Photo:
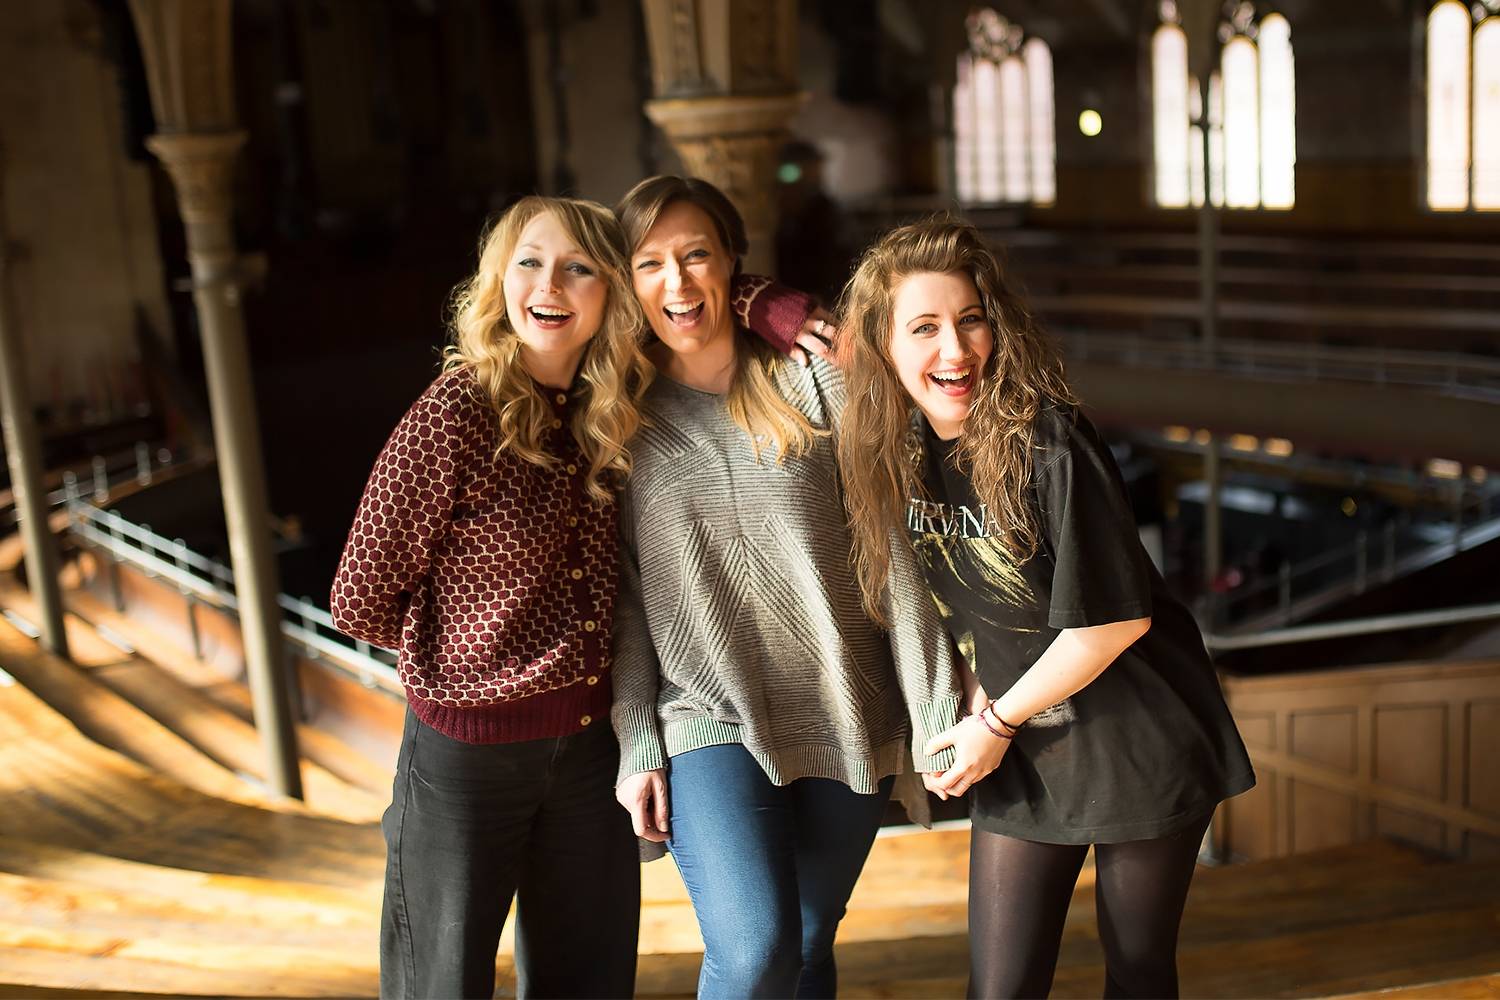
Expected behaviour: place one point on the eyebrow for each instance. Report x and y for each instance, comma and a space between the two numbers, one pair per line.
962, 312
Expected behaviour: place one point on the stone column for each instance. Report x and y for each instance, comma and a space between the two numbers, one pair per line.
23, 451
725, 77
186, 48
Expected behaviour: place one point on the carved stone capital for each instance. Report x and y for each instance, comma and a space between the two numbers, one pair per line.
734, 143
201, 165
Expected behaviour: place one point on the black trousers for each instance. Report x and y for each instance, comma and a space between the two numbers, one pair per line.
469, 828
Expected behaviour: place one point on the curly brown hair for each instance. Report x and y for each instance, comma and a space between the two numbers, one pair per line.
879, 450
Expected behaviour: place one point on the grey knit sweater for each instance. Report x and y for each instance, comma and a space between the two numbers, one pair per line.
738, 618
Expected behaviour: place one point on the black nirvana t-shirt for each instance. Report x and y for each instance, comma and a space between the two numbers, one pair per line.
1146, 748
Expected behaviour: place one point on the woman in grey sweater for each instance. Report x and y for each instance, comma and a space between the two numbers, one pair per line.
762, 715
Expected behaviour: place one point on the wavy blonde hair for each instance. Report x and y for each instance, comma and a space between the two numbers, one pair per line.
754, 402
879, 450
613, 371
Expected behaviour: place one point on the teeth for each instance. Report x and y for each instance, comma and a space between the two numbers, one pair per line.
549, 312
680, 308
957, 376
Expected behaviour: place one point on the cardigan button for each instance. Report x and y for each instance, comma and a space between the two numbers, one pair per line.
556, 424
572, 469
572, 521
593, 681
562, 399
590, 626
577, 574
586, 719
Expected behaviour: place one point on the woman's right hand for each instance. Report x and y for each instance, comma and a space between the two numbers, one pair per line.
644, 796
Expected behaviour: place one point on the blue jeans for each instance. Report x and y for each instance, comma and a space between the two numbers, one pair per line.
769, 869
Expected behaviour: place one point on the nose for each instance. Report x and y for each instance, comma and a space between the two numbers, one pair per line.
951, 346
673, 274
550, 277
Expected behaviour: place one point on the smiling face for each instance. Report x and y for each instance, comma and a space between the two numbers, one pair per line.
682, 272
940, 341
555, 297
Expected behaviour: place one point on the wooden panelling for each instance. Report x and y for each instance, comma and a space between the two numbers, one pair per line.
1484, 757
1404, 750
1411, 744
1258, 730
1321, 817
1325, 737
1248, 823
1410, 827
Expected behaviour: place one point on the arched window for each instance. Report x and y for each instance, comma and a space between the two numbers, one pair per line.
1463, 107
1250, 117
1004, 148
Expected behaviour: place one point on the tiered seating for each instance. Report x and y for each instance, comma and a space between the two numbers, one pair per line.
150, 869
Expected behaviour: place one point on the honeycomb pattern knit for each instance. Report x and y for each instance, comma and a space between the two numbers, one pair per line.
493, 578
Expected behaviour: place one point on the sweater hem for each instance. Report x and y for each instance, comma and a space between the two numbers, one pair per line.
787, 764
549, 715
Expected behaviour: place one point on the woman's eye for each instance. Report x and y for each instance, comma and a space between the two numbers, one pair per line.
582, 269
925, 330
697, 254
528, 262
971, 319
642, 265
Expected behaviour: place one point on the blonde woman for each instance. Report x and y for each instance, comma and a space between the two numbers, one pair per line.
484, 550
762, 715
1107, 727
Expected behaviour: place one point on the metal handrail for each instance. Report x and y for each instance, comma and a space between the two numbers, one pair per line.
1353, 627
1469, 375
210, 581
1381, 557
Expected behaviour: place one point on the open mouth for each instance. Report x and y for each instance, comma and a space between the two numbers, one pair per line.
954, 382
684, 314
549, 317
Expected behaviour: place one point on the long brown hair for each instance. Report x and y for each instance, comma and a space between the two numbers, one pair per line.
754, 402
613, 371
879, 452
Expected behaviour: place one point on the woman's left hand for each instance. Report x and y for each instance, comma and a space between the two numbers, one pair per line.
818, 336
977, 752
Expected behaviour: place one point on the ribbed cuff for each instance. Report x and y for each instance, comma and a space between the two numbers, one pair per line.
639, 734
777, 314
927, 721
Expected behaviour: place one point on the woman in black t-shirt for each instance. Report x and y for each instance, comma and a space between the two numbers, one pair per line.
1108, 726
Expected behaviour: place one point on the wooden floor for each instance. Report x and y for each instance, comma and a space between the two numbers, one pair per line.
135, 868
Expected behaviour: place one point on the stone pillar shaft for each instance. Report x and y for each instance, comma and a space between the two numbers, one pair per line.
201, 166
23, 450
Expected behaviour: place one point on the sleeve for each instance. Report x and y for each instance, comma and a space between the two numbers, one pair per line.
923, 655
636, 672
1100, 573
405, 510
770, 310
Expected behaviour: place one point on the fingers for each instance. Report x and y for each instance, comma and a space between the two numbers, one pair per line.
661, 812
941, 741
933, 783
798, 355
815, 343
644, 796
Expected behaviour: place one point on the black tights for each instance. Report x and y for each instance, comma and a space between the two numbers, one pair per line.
1018, 899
